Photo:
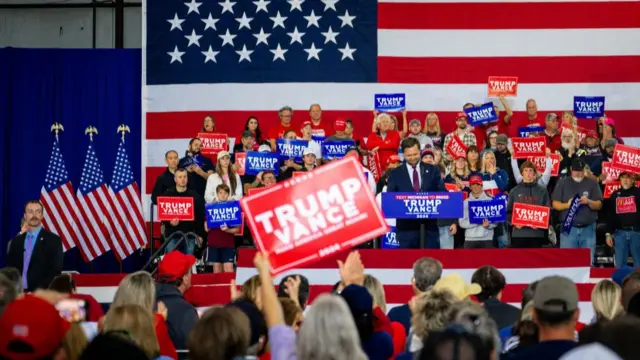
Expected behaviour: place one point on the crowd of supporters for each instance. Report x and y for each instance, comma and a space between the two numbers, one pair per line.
488, 169
447, 318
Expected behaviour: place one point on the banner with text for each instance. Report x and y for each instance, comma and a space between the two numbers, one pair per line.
336, 149
613, 186
223, 213
483, 114
526, 131
534, 216
175, 208
494, 210
389, 241
570, 217
257, 162
588, 107
627, 158
456, 147
298, 222
213, 143
291, 149
240, 160
532, 146
626, 205
430, 205
373, 164
541, 163
389, 102
612, 174
502, 85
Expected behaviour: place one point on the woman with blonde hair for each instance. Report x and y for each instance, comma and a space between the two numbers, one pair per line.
459, 173
135, 323
250, 290
374, 287
605, 299
139, 288
429, 311
432, 129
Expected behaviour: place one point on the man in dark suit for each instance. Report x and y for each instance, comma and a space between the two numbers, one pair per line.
414, 176
37, 252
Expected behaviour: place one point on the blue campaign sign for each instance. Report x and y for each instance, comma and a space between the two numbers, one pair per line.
430, 205
291, 149
389, 102
223, 213
336, 149
588, 107
388, 240
494, 210
256, 162
525, 131
482, 114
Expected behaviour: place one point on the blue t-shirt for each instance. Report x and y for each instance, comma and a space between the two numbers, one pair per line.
546, 350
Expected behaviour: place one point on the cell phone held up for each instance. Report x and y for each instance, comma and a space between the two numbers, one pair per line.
72, 310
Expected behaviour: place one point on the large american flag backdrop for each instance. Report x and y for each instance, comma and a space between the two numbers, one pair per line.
233, 59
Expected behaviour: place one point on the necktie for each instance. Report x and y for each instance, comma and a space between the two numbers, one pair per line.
416, 179
28, 244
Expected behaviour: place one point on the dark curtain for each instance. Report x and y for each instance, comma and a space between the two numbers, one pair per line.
76, 88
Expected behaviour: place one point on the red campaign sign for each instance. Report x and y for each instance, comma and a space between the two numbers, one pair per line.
456, 148
534, 216
213, 143
175, 208
582, 132
541, 163
502, 85
626, 205
531, 146
297, 174
373, 163
454, 188
612, 173
627, 158
240, 159
298, 222
613, 186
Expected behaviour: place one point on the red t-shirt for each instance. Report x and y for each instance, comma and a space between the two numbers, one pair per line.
164, 341
279, 130
322, 129
554, 143
220, 239
521, 120
386, 147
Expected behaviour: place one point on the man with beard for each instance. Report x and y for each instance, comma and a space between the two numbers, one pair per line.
625, 221
503, 159
591, 148
568, 152
463, 133
37, 252
198, 167
582, 232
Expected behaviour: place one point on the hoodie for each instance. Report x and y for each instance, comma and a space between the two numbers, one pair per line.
528, 193
181, 316
196, 226
476, 232
624, 220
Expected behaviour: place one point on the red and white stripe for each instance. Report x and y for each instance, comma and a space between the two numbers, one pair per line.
129, 211
440, 53
61, 214
96, 218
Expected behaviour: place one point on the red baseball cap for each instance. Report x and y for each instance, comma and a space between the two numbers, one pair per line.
393, 158
305, 123
339, 124
174, 265
35, 322
461, 115
475, 180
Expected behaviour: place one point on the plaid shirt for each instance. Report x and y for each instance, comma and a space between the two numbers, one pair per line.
468, 138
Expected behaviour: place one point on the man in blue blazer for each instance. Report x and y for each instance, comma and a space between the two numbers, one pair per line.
415, 176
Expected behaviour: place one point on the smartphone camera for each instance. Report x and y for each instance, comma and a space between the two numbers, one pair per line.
72, 310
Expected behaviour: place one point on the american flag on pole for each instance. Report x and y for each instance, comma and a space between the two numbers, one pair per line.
61, 210
234, 59
127, 205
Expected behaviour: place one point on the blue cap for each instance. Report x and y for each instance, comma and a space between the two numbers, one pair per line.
620, 273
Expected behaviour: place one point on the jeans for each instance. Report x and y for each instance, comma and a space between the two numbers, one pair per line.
188, 246
626, 241
581, 238
500, 236
446, 239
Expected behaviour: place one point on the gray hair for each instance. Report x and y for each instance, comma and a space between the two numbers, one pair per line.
283, 109
137, 288
475, 319
14, 276
374, 287
382, 116
7, 293
550, 116
426, 272
329, 332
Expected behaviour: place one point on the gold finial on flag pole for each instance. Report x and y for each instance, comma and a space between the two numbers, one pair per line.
56, 128
90, 131
123, 129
